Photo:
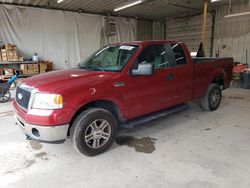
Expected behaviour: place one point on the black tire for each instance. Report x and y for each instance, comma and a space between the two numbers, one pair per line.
82, 130
5, 96
209, 102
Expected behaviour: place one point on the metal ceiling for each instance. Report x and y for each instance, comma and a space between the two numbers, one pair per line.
149, 9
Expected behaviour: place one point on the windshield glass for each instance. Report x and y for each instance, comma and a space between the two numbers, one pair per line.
110, 58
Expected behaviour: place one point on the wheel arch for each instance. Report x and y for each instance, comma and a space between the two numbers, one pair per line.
102, 103
219, 77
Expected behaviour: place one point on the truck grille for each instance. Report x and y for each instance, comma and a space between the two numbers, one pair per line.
22, 97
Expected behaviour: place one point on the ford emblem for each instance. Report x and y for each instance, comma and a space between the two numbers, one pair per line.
20, 96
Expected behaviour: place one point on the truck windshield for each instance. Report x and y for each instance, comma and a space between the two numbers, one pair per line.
110, 58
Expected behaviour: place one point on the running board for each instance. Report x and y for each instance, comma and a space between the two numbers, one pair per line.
144, 119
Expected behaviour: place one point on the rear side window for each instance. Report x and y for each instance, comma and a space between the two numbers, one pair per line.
179, 54
155, 54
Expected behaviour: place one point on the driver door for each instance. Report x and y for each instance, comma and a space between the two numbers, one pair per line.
154, 92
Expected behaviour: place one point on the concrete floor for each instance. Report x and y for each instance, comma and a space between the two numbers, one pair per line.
189, 149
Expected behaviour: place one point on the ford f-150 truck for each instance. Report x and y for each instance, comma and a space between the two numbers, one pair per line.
117, 85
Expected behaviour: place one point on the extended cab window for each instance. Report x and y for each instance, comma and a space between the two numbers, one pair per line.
179, 54
155, 54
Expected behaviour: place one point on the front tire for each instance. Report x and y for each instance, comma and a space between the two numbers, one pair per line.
211, 100
93, 131
5, 96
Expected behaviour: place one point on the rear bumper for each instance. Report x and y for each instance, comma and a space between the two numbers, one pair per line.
43, 133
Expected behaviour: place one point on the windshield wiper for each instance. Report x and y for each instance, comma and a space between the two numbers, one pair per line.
95, 67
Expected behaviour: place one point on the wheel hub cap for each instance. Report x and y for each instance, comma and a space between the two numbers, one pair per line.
215, 98
97, 133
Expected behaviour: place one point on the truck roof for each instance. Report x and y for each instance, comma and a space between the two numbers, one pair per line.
146, 42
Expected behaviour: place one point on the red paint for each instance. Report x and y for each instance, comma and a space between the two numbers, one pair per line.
140, 95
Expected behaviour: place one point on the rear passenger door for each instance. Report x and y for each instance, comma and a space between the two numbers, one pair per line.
184, 72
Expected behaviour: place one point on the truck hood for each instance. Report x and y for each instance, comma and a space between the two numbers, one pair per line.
60, 80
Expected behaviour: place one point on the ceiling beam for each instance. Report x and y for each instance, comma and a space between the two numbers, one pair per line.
186, 7
83, 12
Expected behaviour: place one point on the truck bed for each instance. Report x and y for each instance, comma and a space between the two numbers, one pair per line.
206, 67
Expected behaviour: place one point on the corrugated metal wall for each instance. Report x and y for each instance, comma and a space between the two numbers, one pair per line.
158, 30
144, 30
150, 30
189, 30
232, 35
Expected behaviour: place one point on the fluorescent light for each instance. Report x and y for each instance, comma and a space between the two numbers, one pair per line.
128, 5
237, 14
59, 1
214, 0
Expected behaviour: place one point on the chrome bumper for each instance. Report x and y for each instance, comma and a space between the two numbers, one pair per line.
43, 133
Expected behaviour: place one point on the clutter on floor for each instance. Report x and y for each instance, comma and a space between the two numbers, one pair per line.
241, 76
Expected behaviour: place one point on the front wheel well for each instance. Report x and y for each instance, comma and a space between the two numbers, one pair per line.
105, 104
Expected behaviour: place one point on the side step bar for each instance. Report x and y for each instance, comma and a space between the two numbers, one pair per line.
144, 119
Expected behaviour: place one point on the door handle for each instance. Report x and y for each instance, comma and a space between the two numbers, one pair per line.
170, 76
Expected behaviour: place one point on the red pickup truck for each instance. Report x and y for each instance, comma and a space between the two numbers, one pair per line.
120, 84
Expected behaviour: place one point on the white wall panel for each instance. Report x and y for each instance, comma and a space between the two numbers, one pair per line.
150, 30
158, 30
65, 38
145, 30
83, 34
232, 35
188, 30
126, 30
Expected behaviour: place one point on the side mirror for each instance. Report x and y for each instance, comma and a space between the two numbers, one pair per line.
143, 69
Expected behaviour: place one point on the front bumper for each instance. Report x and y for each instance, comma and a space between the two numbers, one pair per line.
43, 133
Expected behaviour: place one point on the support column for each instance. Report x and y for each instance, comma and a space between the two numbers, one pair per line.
204, 24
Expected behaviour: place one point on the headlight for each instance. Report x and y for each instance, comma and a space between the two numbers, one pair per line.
47, 101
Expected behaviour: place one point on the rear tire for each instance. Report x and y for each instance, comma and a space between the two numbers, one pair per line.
93, 131
211, 100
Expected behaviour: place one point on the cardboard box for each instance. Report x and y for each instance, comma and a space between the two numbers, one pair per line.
4, 59
15, 58
35, 67
20, 59
23, 67
4, 54
30, 66
9, 54
14, 47
36, 72
8, 46
46, 65
43, 66
28, 72
25, 72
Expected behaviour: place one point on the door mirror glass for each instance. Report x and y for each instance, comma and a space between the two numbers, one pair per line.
143, 69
